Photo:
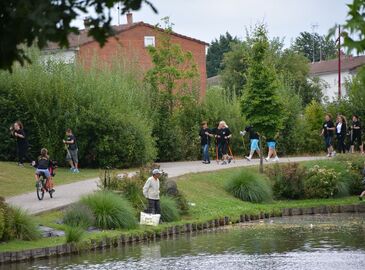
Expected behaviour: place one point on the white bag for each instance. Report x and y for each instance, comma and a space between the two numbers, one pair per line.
150, 219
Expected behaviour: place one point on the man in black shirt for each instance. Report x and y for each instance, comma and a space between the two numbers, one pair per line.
328, 129
205, 135
72, 151
356, 134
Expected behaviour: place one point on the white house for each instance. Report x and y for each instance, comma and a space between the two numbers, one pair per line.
327, 71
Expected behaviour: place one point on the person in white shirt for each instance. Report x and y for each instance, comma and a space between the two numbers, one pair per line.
151, 190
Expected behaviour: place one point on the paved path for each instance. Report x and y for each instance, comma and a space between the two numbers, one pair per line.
70, 193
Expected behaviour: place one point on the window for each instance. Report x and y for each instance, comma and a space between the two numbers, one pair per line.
149, 41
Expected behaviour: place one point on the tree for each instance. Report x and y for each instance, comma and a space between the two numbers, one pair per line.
355, 26
261, 105
25, 22
323, 47
215, 53
172, 77
234, 69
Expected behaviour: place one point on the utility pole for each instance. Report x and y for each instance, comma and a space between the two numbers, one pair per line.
339, 61
314, 26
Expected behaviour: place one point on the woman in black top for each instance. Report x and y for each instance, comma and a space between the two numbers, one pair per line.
223, 136
21, 143
341, 129
356, 134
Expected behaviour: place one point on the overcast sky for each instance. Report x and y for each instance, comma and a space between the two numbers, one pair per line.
207, 19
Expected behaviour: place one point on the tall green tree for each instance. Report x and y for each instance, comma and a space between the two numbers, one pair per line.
172, 77
308, 44
234, 69
24, 22
216, 50
261, 104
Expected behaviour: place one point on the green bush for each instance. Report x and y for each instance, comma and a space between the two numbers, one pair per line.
74, 234
169, 209
20, 225
324, 183
78, 215
249, 186
110, 210
132, 189
288, 180
2, 216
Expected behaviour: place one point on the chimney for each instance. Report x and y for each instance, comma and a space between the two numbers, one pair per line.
129, 18
87, 23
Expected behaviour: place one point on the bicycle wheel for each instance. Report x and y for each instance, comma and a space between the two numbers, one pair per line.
39, 188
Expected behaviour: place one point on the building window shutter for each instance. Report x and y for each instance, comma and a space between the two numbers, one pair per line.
149, 41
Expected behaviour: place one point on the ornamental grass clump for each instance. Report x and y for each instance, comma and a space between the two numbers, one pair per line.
74, 234
169, 209
79, 215
110, 210
19, 225
249, 186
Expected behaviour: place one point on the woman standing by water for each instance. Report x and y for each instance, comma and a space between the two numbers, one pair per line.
21, 142
341, 129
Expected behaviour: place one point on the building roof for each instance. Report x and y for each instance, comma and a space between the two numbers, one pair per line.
331, 66
76, 40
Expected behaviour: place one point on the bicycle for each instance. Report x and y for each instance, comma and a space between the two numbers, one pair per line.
42, 187
42, 184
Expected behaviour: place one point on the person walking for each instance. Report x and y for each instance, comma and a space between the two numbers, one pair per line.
72, 151
254, 141
341, 130
328, 129
223, 136
22, 145
271, 144
205, 135
355, 130
151, 190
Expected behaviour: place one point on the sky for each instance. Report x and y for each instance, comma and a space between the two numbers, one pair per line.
207, 19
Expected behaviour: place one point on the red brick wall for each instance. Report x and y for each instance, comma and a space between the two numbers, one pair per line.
130, 48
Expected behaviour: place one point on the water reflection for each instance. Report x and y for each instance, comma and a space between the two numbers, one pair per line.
307, 242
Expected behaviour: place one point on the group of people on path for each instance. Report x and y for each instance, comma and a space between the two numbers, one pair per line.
222, 135
43, 163
347, 135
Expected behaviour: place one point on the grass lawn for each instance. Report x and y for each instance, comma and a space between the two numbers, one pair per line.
16, 180
206, 190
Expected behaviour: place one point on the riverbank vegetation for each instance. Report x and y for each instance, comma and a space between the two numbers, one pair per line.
206, 198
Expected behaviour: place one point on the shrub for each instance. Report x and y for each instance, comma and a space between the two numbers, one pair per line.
2, 217
324, 183
74, 234
249, 186
110, 210
288, 180
20, 225
169, 209
79, 215
132, 189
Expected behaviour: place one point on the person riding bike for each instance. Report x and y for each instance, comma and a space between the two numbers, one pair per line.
43, 164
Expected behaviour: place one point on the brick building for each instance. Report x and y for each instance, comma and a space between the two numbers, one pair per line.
130, 44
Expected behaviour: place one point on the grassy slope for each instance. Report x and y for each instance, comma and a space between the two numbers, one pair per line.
205, 190
16, 180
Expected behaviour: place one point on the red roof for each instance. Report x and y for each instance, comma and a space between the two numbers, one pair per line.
331, 66
83, 38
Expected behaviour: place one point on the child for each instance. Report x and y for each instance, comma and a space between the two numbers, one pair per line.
205, 135
72, 151
42, 164
271, 144
254, 140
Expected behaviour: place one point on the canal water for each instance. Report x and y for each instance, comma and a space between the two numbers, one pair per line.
325, 242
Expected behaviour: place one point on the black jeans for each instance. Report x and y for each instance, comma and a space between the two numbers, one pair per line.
154, 206
22, 151
341, 147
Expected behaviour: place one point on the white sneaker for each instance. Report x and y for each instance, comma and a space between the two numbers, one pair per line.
276, 159
267, 159
328, 155
248, 158
333, 153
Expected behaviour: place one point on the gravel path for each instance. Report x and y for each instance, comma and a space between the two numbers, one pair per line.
70, 193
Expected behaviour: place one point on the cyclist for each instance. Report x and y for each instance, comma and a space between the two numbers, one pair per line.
42, 165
